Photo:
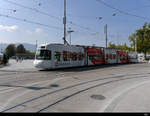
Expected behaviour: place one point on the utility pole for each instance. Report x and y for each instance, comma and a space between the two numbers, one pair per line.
36, 45
64, 22
70, 31
117, 37
105, 31
135, 44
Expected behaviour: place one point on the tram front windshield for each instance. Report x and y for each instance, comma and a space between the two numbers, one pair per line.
43, 55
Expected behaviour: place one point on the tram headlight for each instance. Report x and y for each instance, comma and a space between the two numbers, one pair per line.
38, 63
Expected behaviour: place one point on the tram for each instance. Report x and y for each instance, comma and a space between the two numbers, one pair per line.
53, 56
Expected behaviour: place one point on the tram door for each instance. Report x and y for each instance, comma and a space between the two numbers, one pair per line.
57, 58
85, 57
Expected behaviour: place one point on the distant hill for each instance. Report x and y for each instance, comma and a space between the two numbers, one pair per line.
27, 46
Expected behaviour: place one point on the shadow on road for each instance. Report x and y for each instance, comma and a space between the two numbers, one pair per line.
31, 87
84, 68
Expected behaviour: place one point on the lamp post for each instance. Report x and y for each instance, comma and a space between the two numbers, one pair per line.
70, 31
135, 44
64, 22
105, 31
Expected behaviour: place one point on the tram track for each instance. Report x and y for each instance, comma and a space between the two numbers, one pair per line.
11, 87
81, 91
15, 71
77, 92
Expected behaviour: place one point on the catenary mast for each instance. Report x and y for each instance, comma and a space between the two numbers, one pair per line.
64, 22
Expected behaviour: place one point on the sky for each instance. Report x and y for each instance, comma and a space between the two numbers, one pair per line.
83, 17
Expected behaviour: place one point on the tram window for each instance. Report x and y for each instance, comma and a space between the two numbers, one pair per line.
43, 55
66, 56
95, 57
91, 57
123, 57
80, 56
57, 56
114, 56
42, 46
110, 56
106, 56
70, 55
98, 57
74, 57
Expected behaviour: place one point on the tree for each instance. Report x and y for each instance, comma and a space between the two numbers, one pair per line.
111, 45
132, 39
10, 50
20, 49
142, 38
27, 52
123, 47
5, 59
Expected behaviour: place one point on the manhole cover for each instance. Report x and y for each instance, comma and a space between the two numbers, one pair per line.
54, 85
98, 97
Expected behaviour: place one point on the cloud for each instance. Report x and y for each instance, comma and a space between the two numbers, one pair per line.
38, 30
29, 32
8, 28
35, 31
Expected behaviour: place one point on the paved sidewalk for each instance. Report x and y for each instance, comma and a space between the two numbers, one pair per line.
25, 65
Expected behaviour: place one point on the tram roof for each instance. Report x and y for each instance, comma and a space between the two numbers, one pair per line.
57, 44
62, 45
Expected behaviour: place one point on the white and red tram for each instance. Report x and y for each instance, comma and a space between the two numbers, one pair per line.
52, 56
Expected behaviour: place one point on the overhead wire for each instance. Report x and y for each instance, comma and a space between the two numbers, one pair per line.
31, 22
37, 23
135, 9
33, 9
85, 28
47, 14
121, 11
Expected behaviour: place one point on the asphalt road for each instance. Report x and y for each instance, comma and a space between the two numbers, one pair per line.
118, 88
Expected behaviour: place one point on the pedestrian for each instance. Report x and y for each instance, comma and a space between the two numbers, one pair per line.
16, 59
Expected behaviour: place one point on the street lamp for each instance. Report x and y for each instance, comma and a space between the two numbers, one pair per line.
114, 14
99, 18
70, 31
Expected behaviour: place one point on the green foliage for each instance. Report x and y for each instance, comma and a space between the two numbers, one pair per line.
111, 45
34, 53
142, 38
132, 39
123, 47
5, 59
10, 50
27, 52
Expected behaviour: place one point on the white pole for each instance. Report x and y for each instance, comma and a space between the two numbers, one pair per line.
64, 21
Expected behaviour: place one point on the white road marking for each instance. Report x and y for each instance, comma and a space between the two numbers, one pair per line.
109, 105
